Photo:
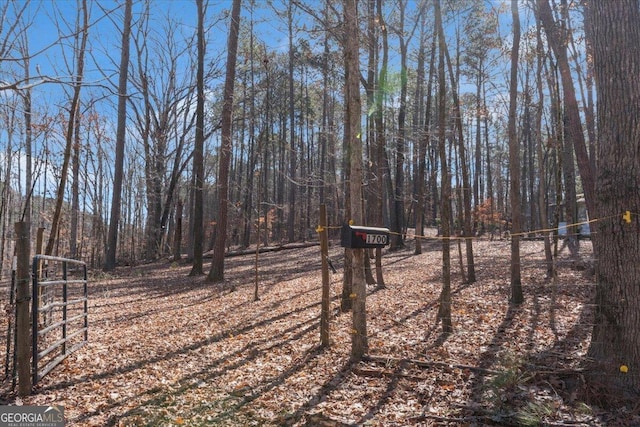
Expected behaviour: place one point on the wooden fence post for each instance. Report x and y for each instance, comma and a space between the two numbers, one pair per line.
23, 298
324, 251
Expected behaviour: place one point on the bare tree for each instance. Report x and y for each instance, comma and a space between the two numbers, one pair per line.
397, 205
216, 274
293, 152
82, 31
444, 309
557, 41
424, 136
198, 150
466, 182
116, 199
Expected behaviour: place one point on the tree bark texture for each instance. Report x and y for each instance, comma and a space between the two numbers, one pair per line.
216, 274
514, 163
444, 310
466, 181
198, 153
326, 284
359, 342
23, 298
615, 344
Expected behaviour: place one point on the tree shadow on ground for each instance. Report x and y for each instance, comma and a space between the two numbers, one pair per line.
297, 323
246, 354
505, 397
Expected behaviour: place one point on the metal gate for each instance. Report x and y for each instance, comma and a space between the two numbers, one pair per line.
59, 311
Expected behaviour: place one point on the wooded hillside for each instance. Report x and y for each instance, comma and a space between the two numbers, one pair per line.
137, 132
166, 349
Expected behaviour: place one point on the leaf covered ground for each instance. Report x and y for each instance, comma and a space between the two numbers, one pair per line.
168, 349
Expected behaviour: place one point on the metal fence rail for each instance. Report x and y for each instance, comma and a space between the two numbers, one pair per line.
59, 311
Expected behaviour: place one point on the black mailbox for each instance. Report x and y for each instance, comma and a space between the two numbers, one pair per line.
354, 236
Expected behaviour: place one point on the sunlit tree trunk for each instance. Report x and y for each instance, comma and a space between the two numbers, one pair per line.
373, 191
542, 162
216, 274
514, 163
376, 204
346, 300
444, 308
121, 131
252, 173
198, 151
423, 146
75, 189
359, 342
466, 182
324, 129
293, 151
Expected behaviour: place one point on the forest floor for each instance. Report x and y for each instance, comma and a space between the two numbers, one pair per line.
168, 349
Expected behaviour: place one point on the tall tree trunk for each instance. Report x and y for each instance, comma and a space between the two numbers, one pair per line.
423, 140
570, 195
384, 169
379, 165
444, 309
530, 141
477, 176
374, 189
466, 183
488, 165
251, 170
427, 148
359, 342
198, 151
574, 132
116, 199
324, 130
71, 125
614, 29
514, 163
542, 162
346, 300
75, 189
293, 151
397, 207
216, 274
28, 139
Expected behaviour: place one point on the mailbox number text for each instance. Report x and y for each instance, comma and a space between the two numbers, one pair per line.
376, 239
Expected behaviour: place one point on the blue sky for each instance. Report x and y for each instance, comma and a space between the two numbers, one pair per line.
54, 21
50, 35
104, 37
